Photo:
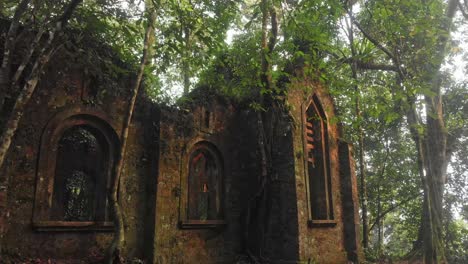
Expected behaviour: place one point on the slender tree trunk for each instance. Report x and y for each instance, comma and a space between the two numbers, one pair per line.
31, 82
18, 109
261, 197
9, 49
380, 215
186, 62
114, 254
264, 48
363, 189
5, 70
14, 117
27, 58
261, 134
380, 225
362, 166
268, 43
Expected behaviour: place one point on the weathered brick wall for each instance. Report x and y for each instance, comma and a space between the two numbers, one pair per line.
319, 244
349, 192
179, 131
65, 88
153, 183
281, 243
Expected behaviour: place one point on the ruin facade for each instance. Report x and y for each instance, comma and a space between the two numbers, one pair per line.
190, 178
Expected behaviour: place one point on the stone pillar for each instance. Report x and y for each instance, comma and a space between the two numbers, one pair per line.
350, 203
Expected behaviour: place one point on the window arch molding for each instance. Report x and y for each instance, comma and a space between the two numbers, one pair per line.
317, 163
214, 160
47, 161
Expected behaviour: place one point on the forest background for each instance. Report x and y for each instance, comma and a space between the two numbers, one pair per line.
396, 69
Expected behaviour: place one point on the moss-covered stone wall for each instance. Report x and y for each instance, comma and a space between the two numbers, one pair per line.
154, 183
68, 89
326, 243
179, 132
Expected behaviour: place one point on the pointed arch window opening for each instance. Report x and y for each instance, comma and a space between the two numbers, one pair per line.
204, 189
317, 163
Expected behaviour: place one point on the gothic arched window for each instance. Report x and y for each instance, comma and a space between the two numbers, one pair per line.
204, 187
317, 162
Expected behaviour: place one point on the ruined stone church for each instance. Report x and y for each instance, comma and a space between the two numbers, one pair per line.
191, 173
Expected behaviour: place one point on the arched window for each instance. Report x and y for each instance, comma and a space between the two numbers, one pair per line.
317, 162
76, 158
204, 187
80, 175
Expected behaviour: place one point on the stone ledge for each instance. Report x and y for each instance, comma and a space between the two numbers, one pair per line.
61, 226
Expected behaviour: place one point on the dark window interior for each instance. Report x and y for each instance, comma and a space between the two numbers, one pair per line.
204, 188
80, 175
317, 163
207, 119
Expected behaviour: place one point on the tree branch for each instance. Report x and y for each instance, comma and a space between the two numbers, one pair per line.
68, 12
376, 43
373, 40
274, 30
371, 66
391, 208
27, 58
364, 65
9, 48
453, 140
10, 39
30, 86
462, 10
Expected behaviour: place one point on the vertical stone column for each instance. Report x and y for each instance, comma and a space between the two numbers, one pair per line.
350, 203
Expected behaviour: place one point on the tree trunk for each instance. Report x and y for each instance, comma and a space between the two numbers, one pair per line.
380, 226
363, 189
186, 60
436, 146
425, 241
8, 50
14, 117
431, 145
31, 82
261, 198
114, 254
362, 166
380, 216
